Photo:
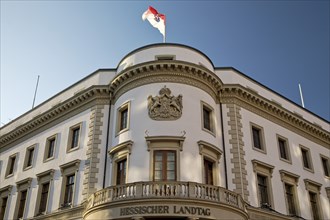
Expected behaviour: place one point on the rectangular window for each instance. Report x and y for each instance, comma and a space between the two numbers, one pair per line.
43, 198
69, 187
121, 172
123, 119
325, 165
256, 134
208, 172
263, 190
50, 147
306, 158
21, 205
314, 205
207, 118
289, 193
30, 157
283, 149
11, 165
164, 165
75, 137
3, 207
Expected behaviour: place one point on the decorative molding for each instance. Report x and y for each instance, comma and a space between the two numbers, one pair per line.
74, 165
170, 71
311, 185
285, 175
236, 94
127, 145
205, 148
165, 106
50, 173
98, 94
178, 139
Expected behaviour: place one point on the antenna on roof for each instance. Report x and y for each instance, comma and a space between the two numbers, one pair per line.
301, 96
35, 92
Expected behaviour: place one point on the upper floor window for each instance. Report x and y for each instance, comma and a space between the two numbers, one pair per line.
165, 57
283, 148
44, 182
313, 189
290, 182
290, 198
306, 158
21, 205
11, 165
325, 165
263, 190
29, 157
121, 171
164, 165
123, 117
23, 188
50, 148
69, 187
208, 172
207, 118
74, 137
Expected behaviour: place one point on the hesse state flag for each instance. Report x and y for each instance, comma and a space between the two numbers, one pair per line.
157, 20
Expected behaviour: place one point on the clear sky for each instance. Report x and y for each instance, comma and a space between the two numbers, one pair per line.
278, 43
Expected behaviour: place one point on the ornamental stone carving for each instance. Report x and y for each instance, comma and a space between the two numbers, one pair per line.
165, 106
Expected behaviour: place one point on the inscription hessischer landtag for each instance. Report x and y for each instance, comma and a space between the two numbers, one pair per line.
165, 210
165, 106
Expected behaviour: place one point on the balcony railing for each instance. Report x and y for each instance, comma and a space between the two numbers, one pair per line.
164, 190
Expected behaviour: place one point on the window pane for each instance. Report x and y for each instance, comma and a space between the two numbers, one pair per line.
206, 119
263, 189
43, 198
30, 157
305, 158
170, 166
123, 119
51, 148
256, 138
3, 207
22, 204
158, 166
75, 137
208, 172
314, 205
69, 190
170, 175
282, 146
290, 199
325, 166
158, 175
121, 172
11, 165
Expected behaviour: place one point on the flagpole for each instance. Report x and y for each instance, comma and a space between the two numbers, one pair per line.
164, 37
35, 92
301, 96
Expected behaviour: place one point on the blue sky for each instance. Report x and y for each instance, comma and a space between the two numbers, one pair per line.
277, 43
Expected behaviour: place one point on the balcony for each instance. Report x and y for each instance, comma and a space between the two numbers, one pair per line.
165, 199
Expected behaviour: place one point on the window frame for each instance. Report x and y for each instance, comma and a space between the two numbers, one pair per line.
42, 178
123, 107
70, 147
213, 154
170, 143
326, 166
5, 192
47, 148
266, 170
166, 57
315, 188
29, 158
292, 180
261, 135
207, 107
68, 169
23, 185
164, 161
286, 148
308, 159
118, 153
11, 166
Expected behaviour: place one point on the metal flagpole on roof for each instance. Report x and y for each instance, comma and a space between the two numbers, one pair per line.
301, 96
35, 92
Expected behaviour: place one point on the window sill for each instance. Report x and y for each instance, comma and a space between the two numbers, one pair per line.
9, 175
72, 149
49, 159
209, 131
309, 169
285, 160
260, 150
121, 131
27, 168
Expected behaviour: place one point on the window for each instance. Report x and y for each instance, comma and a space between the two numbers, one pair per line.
306, 159
164, 157
263, 182
290, 182
4, 196
313, 189
283, 148
207, 118
44, 181
210, 160
165, 57
123, 117
258, 142
325, 165
23, 188
50, 148
69, 174
74, 137
3, 207
28, 162
164, 165
11, 165
121, 172
119, 156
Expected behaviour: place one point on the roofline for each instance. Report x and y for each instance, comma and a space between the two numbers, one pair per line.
265, 87
57, 94
164, 45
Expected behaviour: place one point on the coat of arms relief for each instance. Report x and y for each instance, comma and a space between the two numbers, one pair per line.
165, 106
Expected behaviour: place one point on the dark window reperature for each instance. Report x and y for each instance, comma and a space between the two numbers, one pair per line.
21, 205
121, 172
283, 149
290, 199
314, 205
164, 166
263, 190
51, 147
75, 137
11, 165
30, 157
123, 119
44, 197
325, 164
208, 172
69, 187
3, 207
207, 118
256, 134
305, 158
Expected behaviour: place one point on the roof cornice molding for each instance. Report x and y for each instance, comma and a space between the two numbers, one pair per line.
166, 71
270, 110
94, 93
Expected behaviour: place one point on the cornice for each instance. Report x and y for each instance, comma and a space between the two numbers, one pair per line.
94, 93
255, 103
166, 71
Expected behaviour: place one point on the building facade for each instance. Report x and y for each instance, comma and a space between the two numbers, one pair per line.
165, 135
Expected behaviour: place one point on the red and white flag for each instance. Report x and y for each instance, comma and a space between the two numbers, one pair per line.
156, 19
